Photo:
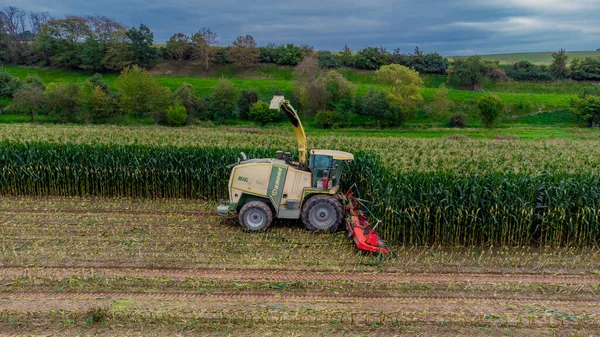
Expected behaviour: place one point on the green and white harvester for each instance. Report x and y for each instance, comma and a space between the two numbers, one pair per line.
267, 188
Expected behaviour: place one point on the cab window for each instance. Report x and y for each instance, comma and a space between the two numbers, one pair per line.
319, 161
321, 167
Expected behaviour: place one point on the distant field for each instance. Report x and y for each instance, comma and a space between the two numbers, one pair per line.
538, 58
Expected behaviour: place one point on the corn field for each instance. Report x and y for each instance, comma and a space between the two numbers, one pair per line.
461, 207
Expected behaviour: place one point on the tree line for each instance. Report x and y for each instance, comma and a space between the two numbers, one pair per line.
101, 44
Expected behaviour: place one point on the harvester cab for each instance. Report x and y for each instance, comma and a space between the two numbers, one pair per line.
267, 188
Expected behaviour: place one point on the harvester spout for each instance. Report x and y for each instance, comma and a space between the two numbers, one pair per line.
280, 103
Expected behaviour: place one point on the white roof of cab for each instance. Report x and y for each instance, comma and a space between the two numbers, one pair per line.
337, 155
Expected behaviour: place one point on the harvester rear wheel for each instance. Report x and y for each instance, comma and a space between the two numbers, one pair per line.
256, 216
322, 213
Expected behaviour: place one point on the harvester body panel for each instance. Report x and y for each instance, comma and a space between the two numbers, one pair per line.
282, 184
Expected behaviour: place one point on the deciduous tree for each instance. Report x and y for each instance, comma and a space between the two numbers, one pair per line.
559, 66
469, 71
142, 44
119, 52
260, 112
91, 53
347, 57
404, 84
203, 46
587, 106
12, 34
140, 93
63, 101
243, 52
30, 100
222, 102
178, 47
96, 103
184, 96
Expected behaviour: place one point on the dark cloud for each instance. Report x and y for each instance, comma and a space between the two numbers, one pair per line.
448, 27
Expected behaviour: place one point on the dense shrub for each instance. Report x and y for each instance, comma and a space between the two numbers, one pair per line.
371, 103
8, 84
371, 58
222, 102
268, 53
587, 106
97, 80
221, 55
458, 121
63, 101
431, 63
289, 54
260, 112
185, 97
339, 89
527, 71
34, 81
176, 115
440, 105
328, 60
377, 104
586, 69
96, 102
247, 98
496, 71
326, 119
490, 107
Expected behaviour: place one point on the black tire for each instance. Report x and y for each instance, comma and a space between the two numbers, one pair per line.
322, 213
256, 216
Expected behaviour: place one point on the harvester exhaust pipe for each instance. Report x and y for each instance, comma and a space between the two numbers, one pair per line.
279, 155
287, 157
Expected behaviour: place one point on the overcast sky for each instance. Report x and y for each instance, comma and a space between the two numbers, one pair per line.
448, 27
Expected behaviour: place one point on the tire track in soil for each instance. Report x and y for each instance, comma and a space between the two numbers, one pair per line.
95, 295
102, 211
283, 275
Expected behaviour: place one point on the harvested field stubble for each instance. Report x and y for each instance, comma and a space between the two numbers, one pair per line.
122, 266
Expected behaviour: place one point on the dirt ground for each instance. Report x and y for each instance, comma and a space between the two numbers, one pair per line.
123, 267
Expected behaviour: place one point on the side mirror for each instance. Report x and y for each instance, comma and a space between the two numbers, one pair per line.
244, 157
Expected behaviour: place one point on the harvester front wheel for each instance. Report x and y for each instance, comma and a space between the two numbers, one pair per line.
322, 213
256, 216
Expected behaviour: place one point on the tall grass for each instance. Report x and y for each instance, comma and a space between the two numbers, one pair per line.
462, 207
